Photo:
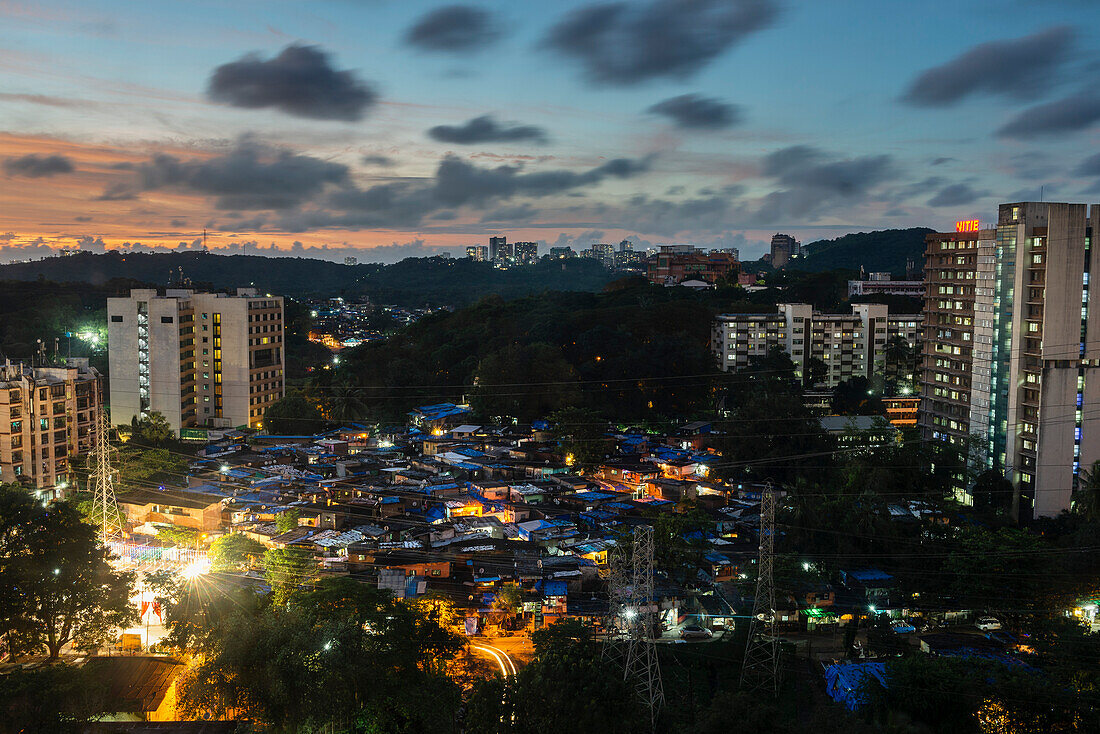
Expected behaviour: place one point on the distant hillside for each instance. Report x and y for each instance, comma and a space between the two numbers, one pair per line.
883, 251
411, 282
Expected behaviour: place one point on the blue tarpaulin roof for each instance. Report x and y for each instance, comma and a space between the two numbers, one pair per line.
844, 681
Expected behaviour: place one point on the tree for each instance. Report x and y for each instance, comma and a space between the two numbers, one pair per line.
581, 435
565, 688
345, 656
817, 372
49, 699
233, 552
288, 520
293, 415
286, 569
525, 382
856, 397
1086, 498
151, 430
56, 586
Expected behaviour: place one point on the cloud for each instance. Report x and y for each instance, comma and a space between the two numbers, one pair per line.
299, 81
1066, 115
1088, 167
485, 129
520, 213
378, 160
813, 182
459, 182
82, 219
940, 161
249, 177
1017, 68
620, 43
959, 194
690, 111
118, 192
178, 223
453, 29
38, 166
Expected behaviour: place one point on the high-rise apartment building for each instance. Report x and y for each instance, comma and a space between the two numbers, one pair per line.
499, 249
200, 359
478, 253
850, 345
525, 253
1011, 358
784, 247
48, 417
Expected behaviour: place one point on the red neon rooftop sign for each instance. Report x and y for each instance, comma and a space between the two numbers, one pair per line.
967, 225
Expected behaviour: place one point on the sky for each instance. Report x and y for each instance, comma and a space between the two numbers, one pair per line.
394, 128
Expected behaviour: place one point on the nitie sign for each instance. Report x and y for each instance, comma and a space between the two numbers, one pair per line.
967, 225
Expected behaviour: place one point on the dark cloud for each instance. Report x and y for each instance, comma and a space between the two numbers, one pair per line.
693, 112
299, 81
959, 194
378, 160
1033, 165
621, 43
485, 129
178, 223
453, 28
521, 213
1016, 68
940, 161
38, 166
674, 191
1065, 115
249, 177
82, 219
813, 182
1088, 167
664, 217
459, 182
118, 192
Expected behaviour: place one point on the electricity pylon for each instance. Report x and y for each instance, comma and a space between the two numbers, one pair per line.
760, 668
105, 510
632, 620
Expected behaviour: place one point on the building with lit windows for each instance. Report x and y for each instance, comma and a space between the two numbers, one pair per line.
525, 253
850, 345
200, 359
48, 418
1010, 363
477, 253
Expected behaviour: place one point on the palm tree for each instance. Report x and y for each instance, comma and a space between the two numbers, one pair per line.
1086, 498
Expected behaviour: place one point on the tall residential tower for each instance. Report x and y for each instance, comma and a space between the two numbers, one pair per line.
1011, 358
200, 359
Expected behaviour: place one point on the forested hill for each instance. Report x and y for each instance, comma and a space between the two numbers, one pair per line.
883, 251
412, 282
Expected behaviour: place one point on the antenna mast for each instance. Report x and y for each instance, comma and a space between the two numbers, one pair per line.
105, 510
632, 618
760, 668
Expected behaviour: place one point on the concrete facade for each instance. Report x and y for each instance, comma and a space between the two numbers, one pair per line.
200, 359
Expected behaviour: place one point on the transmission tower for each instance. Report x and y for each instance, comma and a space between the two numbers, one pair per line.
105, 510
760, 669
632, 620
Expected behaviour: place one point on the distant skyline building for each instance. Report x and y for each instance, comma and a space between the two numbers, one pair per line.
1011, 357
561, 253
478, 253
48, 418
881, 284
200, 359
674, 264
783, 248
849, 345
526, 253
499, 250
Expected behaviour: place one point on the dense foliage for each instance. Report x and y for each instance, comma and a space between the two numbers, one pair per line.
885, 251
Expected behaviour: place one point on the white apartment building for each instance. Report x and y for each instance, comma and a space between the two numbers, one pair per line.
850, 345
200, 359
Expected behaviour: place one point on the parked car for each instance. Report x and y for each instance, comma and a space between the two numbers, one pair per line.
902, 626
985, 624
695, 632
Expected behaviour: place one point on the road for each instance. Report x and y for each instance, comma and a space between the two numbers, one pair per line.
502, 658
